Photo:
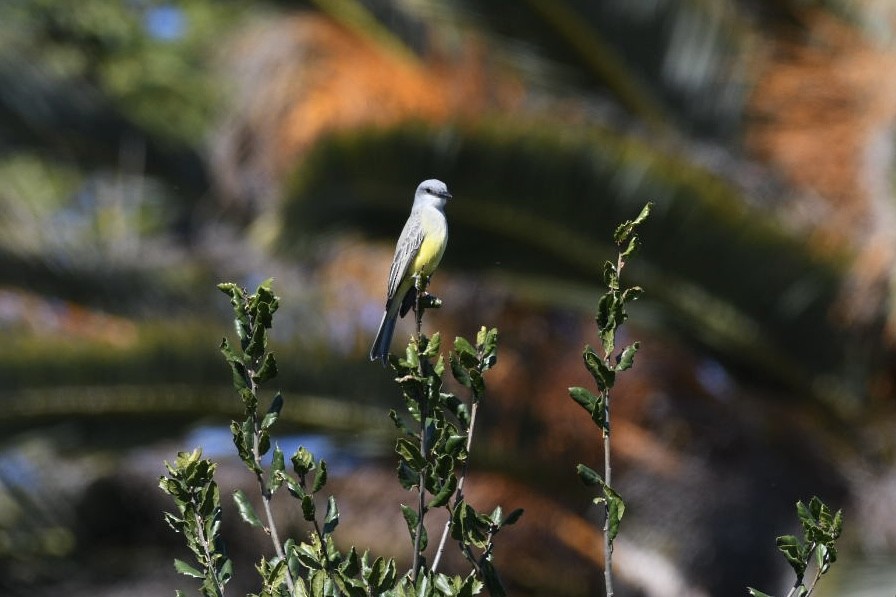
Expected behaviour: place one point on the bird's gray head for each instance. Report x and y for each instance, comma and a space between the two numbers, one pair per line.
432, 190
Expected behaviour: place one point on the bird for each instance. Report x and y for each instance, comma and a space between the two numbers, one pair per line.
419, 250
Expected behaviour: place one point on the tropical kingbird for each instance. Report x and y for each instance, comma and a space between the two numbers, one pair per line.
419, 250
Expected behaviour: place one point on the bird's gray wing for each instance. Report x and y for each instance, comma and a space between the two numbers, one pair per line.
405, 251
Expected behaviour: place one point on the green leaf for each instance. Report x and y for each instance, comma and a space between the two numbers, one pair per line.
268, 369
411, 518
432, 347
615, 510
631, 294
821, 558
477, 384
492, 581
399, 423
247, 512
444, 494
795, 552
463, 347
633, 244
258, 341
806, 516
755, 593
584, 398
460, 373
466, 526
408, 477
351, 565
331, 520
320, 479
186, 569
293, 486
624, 230
382, 576
589, 476
512, 517
487, 340
603, 376
308, 509
240, 375
318, 583
302, 461
278, 466
410, 453
610, 276
627, 358
412, 359
273, 412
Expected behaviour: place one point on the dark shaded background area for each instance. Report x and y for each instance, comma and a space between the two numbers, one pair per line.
149, 150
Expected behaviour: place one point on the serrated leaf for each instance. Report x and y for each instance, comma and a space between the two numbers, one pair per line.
615, 510
293, 486
794, 552
399, 422
463, 347
444, 494
258, 341
610, 276
320, 479
837, 524
627, 358
302, 461
308, 509
186, 569
432, 347
807, 518
633, 244
331, 520
377, 571
410, 453
247, 512
411, 518
278, 466
487, 340
240, 376
460, 373
631, 294
603, 376
268, 369
411, 358
408, 477
624, 230
273, 412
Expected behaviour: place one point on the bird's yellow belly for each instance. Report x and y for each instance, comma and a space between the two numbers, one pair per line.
430, 253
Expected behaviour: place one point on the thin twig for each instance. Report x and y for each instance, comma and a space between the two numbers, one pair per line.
204, 541
608, 543
420, 284
263, 486
459, 494
608, 471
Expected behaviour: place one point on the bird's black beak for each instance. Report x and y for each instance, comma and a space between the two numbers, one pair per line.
445, 195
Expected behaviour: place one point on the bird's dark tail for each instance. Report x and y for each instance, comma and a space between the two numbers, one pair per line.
380, 348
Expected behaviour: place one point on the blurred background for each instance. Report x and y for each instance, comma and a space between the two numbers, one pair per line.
151, 149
